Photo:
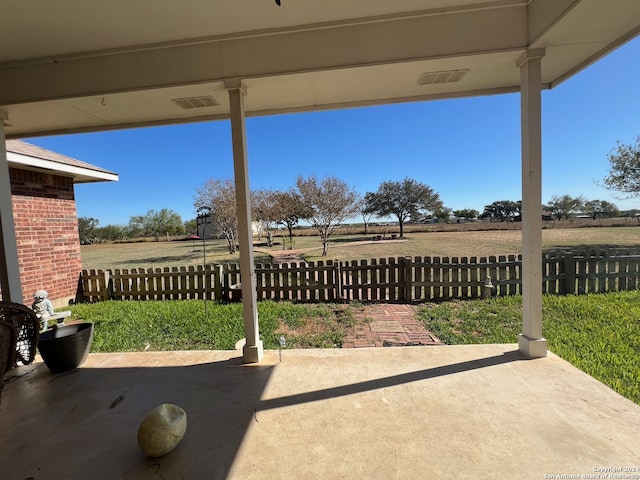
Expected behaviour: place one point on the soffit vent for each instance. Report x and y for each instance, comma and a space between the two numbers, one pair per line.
450, 76
196, 102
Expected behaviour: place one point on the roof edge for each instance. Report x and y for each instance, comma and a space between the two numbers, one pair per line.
23, 154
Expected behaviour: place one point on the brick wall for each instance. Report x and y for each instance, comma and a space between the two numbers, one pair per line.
45, 216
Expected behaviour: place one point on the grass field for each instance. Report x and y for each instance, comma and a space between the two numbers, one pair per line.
344, 247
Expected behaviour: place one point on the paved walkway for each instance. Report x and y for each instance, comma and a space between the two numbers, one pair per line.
388, 325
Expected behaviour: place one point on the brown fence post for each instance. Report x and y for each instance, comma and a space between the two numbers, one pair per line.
408, 279
107, 286
208, 288
337, 280
217, 281
569, 274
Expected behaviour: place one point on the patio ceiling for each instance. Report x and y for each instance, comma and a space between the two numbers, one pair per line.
84, 66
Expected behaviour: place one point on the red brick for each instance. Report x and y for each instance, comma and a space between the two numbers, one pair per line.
46, 232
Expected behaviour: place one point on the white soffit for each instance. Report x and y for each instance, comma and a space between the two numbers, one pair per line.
119, 64
372, 85
119, 110
392, 83
123, 24
590, 30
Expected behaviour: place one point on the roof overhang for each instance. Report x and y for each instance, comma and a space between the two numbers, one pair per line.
33, 158
124, 64
79, 174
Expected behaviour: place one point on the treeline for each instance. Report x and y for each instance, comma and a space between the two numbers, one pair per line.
559, 207
325, 204
151, 224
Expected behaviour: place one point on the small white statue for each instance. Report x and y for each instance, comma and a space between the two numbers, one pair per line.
43, 308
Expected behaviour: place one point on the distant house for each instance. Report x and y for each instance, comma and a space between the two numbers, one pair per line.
45, 216
546, 217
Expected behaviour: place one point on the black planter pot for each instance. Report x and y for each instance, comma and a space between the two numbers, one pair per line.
66, 348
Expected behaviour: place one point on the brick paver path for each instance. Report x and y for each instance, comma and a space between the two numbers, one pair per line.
388, 325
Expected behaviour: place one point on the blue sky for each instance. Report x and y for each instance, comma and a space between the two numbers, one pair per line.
467, 150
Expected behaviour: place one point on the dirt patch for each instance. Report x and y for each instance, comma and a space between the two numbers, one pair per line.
309, 327
288, 256
319, 332
285, 256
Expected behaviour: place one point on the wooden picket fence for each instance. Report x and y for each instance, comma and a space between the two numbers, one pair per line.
402, 279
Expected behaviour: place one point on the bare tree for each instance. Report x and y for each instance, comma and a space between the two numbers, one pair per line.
265, 212
329, 202
220, 197
289, 209
365, 212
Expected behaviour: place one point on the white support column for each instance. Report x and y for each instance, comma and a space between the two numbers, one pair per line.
530, 342
9, 266
253, 349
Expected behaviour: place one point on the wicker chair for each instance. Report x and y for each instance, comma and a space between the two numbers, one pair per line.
25, 325
7, 348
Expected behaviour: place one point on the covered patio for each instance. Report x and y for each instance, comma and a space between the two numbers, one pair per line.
403, 412
123, 65
380, 413
506, 411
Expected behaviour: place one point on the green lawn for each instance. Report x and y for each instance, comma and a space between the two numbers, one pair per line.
129, 326
598, 333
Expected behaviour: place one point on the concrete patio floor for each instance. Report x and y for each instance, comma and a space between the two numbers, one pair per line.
402, 412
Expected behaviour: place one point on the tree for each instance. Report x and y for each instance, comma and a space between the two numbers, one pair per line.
443, 214
154, 223
191, 226
365, 212
111, 233
403, 199
502, 210
219, 198
469, 213
564, 206
328, 203
289, 208
86, 229
624, 169
600, 207
265, 210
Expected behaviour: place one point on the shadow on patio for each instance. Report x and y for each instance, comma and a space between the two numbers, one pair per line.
406, 412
